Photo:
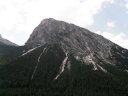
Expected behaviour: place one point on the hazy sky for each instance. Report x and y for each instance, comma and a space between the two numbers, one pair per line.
109, 18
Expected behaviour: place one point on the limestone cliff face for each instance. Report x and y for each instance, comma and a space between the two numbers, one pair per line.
74, 39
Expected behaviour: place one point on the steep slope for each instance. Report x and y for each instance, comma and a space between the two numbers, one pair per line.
6, 42
63, 59
8, 50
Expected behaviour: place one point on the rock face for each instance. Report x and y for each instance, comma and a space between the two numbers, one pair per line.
51, 31
73, 39
62, 59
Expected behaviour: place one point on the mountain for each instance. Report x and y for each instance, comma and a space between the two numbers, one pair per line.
8, 50
62, 59
6, 42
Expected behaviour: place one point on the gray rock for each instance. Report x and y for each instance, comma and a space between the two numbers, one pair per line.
77, 40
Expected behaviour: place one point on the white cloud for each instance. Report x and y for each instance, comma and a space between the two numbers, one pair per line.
126, 3
111, 24
111, 1
120, 38
18, 18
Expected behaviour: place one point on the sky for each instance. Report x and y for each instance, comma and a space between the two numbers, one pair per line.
18, 18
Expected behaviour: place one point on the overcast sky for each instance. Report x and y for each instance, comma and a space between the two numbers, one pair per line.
109, 18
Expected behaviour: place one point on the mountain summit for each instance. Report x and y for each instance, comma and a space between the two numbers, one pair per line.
62, 59
71, 38
52, 31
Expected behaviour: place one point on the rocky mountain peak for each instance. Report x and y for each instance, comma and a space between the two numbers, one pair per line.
74, 39
48, 20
